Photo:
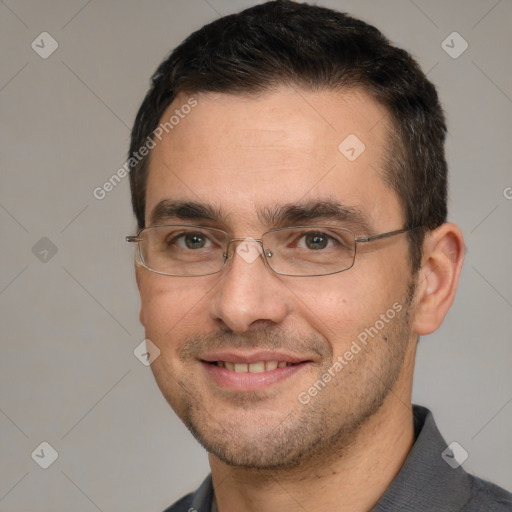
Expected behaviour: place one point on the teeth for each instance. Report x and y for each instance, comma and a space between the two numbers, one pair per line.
258, 367
271, 365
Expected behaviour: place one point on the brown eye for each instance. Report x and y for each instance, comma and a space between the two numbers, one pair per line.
195, 241
189, 240
316, 241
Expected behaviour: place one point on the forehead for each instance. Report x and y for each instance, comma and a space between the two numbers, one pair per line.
246, 153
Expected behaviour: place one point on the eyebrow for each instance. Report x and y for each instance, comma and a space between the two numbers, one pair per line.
184, 210
324, 210
275, 216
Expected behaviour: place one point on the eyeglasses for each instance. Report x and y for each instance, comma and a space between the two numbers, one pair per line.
302, 251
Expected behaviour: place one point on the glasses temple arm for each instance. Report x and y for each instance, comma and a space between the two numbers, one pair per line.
384, 235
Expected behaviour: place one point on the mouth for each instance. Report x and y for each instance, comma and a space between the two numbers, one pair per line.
256, 367
251, 372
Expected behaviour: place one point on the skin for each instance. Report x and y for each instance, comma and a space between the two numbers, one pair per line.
268, 450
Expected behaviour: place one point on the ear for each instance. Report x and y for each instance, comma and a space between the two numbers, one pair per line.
443, 255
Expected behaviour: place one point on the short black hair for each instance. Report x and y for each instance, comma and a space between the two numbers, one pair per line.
288, 43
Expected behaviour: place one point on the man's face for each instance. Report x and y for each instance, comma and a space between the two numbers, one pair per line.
245, 157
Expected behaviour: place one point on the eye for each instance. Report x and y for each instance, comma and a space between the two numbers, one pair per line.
191, 241
314, 241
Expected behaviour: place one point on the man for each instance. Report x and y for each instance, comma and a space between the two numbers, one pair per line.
292, 247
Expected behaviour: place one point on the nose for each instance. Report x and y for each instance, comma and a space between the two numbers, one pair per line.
249, 292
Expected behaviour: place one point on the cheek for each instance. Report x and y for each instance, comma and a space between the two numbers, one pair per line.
170, 307
343, 306
329, 307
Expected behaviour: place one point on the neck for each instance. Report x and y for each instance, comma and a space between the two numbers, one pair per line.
349, 478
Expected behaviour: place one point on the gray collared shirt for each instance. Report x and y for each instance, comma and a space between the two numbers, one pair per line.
425, 483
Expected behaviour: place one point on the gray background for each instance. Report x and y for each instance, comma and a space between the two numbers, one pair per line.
69, 322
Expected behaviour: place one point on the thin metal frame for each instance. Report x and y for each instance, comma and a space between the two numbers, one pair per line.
365, 239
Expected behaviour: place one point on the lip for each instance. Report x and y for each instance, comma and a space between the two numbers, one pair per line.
246, 381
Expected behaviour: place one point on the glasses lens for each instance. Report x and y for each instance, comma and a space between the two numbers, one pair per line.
183, 250
309, 250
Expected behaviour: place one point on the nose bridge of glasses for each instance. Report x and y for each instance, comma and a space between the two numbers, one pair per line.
246, 239
249, 249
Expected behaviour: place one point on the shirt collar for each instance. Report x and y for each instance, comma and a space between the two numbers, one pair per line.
426, 481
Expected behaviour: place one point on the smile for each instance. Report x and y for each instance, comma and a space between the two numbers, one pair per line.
251, 371
256, 367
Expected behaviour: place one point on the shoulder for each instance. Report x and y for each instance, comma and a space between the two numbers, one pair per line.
428, 481
198, 501
182, 505
487, 496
